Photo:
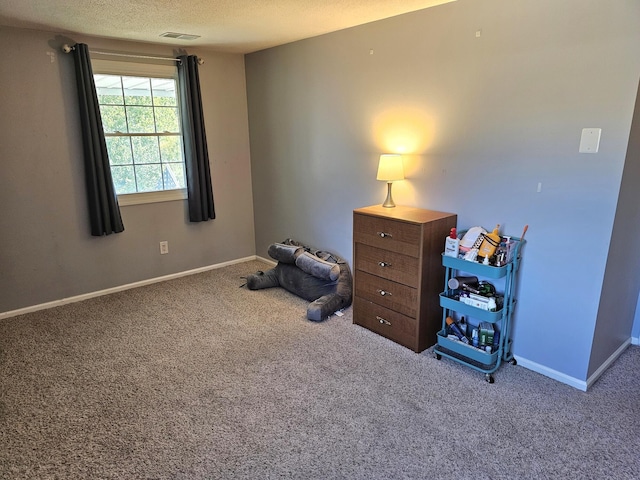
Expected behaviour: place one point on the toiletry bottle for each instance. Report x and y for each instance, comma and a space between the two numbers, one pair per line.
510, 247
452, 244
463, 326
456, 330
490, 243
491, 304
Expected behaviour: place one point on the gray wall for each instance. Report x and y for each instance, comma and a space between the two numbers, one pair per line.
484, 120
47, 252
621, 281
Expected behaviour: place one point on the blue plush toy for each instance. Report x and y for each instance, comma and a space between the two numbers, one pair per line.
320, 277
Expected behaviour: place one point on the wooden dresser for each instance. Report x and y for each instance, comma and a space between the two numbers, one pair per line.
398, 272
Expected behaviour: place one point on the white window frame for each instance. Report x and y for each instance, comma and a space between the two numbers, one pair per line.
136, 69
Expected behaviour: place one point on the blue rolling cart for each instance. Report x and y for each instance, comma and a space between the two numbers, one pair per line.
505, 277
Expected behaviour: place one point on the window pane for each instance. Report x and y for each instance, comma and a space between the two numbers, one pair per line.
123, 179
108, 99
109, 89
164, 91
140, 120
113, 119
119, 150
137, 90
145, 149
171, 149
173, 175
149, 178
167, 119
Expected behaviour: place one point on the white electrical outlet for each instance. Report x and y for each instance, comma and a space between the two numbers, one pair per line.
164, 248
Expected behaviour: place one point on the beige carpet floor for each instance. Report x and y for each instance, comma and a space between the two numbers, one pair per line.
196, 378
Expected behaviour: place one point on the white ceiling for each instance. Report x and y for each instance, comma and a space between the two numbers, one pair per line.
240, 26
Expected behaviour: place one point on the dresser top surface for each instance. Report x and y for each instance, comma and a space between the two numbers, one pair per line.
403, 213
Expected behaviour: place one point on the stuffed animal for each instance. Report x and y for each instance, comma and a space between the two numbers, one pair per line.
320, 277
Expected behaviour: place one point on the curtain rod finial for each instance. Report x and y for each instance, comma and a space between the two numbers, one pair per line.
66, 48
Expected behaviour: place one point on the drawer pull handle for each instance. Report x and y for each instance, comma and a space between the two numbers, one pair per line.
384, 264
384, 292
383, 321
385, 235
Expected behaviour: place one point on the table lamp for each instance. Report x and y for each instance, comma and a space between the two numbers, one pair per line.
389, 170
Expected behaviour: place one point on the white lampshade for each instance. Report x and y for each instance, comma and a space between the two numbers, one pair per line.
390, 168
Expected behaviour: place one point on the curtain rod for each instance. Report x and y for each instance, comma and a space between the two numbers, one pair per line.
68, 49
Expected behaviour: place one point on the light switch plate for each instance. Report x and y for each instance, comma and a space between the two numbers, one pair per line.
590, 140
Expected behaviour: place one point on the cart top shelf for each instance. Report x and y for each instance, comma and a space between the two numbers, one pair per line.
488, 271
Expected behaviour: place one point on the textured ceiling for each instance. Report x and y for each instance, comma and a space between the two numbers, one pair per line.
240, 26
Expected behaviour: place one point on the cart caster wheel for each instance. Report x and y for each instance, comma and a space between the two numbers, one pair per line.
489, 378
513, 361
438, 356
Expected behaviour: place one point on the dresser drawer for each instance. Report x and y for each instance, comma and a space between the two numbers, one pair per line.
390, 324
388, 234
387, 264
393, 295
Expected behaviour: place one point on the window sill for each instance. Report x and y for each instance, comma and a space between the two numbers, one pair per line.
152, 197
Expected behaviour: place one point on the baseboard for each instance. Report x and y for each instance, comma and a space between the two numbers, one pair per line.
572, 381
268, 260
612, 358
635, 340
554, 374
99, 293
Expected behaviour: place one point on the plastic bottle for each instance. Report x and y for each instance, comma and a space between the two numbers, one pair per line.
509, 247
474, 337
491, 304
452, 244
490, 243
456, 330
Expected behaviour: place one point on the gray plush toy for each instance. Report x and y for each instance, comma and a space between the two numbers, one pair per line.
319, 277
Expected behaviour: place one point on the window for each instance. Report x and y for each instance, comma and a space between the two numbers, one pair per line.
141, 120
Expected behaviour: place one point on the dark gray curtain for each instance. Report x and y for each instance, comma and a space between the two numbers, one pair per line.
196, 156
104, 212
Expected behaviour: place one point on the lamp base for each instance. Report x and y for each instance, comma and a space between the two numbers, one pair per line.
388, 203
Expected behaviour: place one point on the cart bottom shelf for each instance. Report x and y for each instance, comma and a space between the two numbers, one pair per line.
483, 367
466, 354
